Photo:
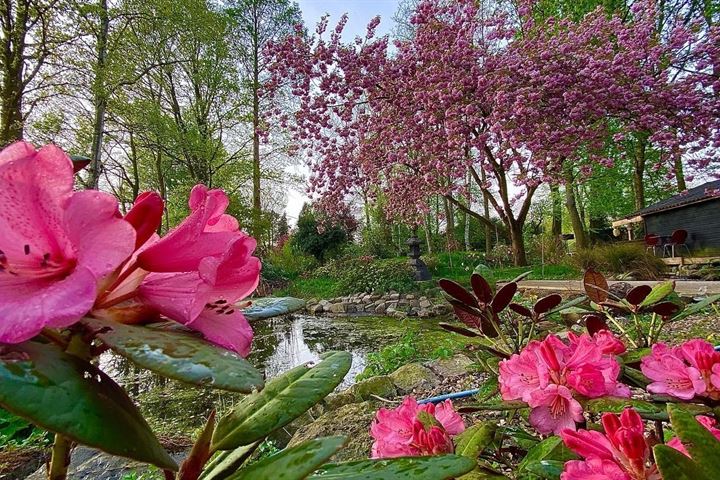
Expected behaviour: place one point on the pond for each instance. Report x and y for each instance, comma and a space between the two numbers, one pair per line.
280, 344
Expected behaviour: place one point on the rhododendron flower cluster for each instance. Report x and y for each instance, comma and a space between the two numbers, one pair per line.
548, 373
689, 370
66, 254
621, 453
415, 430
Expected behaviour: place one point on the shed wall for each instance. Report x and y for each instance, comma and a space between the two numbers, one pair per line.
701, 220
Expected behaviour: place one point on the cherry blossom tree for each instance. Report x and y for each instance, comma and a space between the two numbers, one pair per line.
492, 95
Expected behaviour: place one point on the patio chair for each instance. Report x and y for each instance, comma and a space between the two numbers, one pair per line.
652, 242
677, 239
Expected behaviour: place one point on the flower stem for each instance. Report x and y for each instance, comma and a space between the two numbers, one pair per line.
60, 459
116, 300
622, 330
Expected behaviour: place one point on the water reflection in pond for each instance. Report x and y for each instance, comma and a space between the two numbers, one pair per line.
283, 343
279, 345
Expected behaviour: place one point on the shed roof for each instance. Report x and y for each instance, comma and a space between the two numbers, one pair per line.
701, 193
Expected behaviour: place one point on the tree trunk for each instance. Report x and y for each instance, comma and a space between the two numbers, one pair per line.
639, 161
518, 244
486, 211
556, 210
449, 226
571, 205
428, 238
680, 175
100, 96
14, 33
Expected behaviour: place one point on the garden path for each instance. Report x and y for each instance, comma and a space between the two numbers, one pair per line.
682, 287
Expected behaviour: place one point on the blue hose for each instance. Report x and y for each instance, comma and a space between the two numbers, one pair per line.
450, 396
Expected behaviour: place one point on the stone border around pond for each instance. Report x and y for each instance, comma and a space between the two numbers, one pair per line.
392, 304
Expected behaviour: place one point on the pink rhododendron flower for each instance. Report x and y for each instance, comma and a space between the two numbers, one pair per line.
707, 422
194, 275
621, 453
609, 344
56, 245
692, 369
414, 430
547, 374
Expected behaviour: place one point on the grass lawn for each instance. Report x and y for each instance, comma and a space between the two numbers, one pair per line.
457, 266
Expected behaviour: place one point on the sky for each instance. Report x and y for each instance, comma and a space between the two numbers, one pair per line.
360, 12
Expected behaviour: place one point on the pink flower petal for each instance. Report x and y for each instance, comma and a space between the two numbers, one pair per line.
229, 330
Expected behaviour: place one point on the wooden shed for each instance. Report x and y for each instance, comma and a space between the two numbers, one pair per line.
696, 210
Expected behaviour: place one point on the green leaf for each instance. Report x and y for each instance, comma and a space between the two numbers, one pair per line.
499, 406
272, 307
658, 292
696, 307
488, 389
281, 401
442, 467
673, 465
634, 356
474, 440
646, 409
702, 445
547, 469
570, 304
293, 463
179, 355
67, 395
227, 462
636, 377
551, 448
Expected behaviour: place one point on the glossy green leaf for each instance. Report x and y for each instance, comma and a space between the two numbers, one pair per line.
294, 463
636, 377
546, 469
499, 406
551, 448
474, 440
281, 401
488, 389
227, 462
272, 307
442, 467
179, 355
67, 395
674, 465
702, 445
696, 307
634, 356
646, 409
658, 293
571, 304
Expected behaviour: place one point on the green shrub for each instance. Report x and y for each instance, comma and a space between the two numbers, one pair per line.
287, 263
621, 259
368, 274
19, 433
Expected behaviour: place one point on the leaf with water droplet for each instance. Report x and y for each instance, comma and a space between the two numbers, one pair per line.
178, 354
65, 394
283, 399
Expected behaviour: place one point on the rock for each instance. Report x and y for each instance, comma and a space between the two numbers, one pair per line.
90, 464
410, 296
424, 303
424, 313
324, 302
413, 376
352, 421
380, 309
394, 297
382, 386
399, 314
375, 297
451, 367
337, 400
619, 289
338, 307
317, 309
441, 309
313, 301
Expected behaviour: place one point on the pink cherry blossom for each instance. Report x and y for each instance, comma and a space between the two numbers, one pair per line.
414, 430
194, 275
707, 422
56, 245
684, 372
620, 453
548, 373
